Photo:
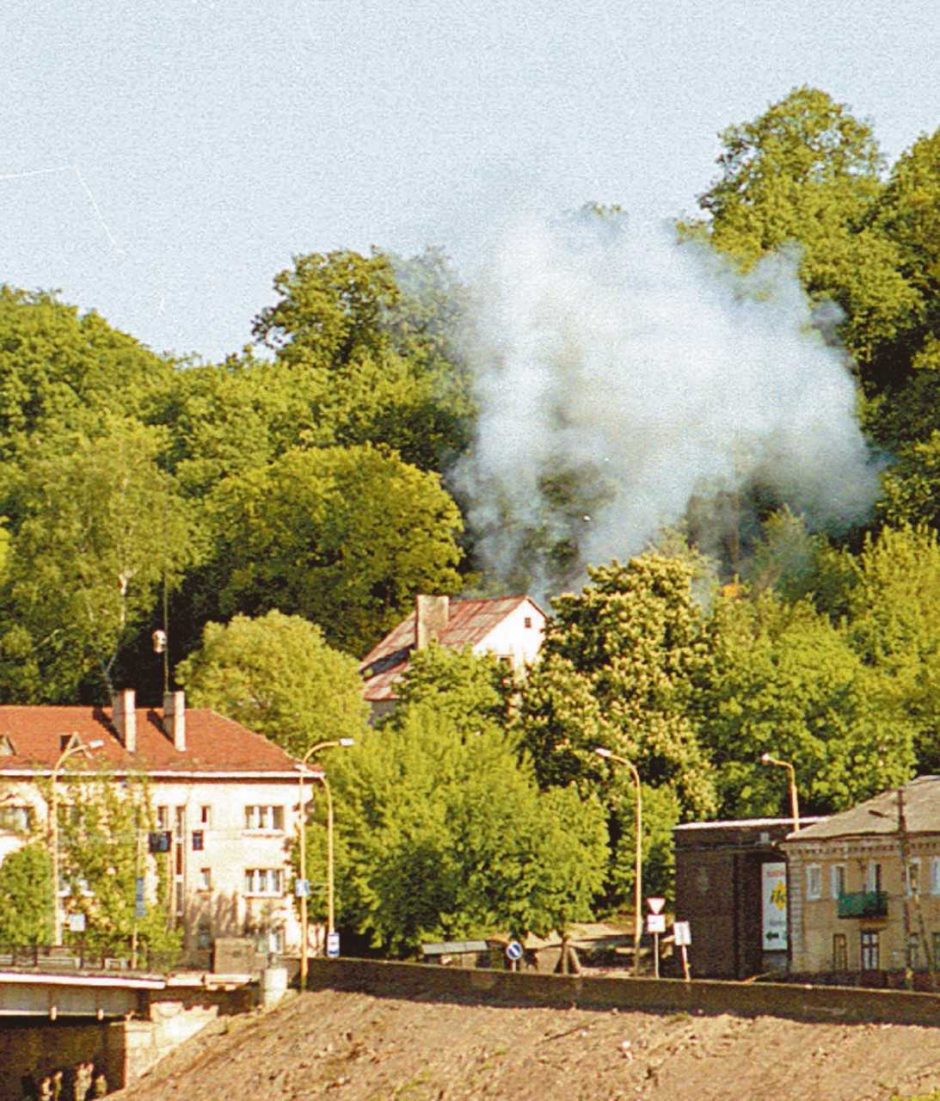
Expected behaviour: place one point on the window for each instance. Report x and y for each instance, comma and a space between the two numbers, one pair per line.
204, 880
264, 818
869, 947
873, 876
913, 951
527, 622
16, 819
912, 879
837, 880
935, 875
840, 955
813, 881
199, 841
163, 818
205, 816
263, 881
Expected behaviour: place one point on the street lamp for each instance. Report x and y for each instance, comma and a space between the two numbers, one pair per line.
638, 865
330, 903
767, 759
54, 831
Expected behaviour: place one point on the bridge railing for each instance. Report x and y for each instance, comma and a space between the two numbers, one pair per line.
109, 958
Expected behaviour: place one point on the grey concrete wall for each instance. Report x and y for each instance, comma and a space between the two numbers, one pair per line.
665, 995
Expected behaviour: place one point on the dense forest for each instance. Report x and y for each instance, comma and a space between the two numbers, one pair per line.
278, 512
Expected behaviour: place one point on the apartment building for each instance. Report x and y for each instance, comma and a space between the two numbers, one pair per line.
864, 887
225, 806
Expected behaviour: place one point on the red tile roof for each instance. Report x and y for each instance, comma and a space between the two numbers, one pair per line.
469, 622
32, 738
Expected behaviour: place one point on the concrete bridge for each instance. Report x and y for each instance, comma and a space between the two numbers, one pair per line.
123, 1022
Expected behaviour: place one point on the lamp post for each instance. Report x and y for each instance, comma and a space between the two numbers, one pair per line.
638, 864
330, 902
767, 759
54, 831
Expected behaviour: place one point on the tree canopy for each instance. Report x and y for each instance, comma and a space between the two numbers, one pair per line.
444, 835
277, 676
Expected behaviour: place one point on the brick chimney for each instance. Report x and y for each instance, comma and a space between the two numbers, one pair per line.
174, 719
431, 616
124, 718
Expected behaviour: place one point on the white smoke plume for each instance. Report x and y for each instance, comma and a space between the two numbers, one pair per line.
647, 372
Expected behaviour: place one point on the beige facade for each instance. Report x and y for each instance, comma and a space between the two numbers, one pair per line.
864, 886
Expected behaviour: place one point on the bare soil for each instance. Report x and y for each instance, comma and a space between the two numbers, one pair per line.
357, 1047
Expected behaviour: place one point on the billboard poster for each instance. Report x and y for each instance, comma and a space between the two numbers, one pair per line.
774, 905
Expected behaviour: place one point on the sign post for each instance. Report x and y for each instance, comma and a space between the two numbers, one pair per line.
683, 934
656, 924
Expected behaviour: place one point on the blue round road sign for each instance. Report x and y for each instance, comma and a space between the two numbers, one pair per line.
514, 950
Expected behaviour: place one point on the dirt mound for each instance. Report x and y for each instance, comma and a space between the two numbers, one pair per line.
356, 1047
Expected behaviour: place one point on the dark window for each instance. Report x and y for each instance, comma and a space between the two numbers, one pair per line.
159, 841
869, 950
527, 622
840, 955
198, 841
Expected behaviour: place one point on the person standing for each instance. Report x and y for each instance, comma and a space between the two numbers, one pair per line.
82, 1081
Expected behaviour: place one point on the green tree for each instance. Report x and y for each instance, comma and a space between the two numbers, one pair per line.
806, 171
102, 845
621, 666
98, 530
277, 676
373, 343
621, 661
471, 690
893, 624
443, 835
62, 369
342, 536
228, 419
787, 681
26, 896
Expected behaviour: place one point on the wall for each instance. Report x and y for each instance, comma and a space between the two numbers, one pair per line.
718, 891
230, 848
664, 995
814, 922
29, 1048
511, 637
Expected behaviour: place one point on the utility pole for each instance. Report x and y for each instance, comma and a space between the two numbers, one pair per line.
911, 896
906, 887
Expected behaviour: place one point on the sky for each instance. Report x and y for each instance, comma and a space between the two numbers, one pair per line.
162, 160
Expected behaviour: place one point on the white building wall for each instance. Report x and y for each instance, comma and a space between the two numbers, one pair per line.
512, 639
230, 847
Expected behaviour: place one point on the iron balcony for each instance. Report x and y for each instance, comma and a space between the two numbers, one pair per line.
863, 904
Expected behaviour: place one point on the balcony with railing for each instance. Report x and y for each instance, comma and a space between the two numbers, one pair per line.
863, 904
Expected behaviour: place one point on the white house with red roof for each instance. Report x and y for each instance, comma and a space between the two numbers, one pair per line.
511, 627
226, 805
